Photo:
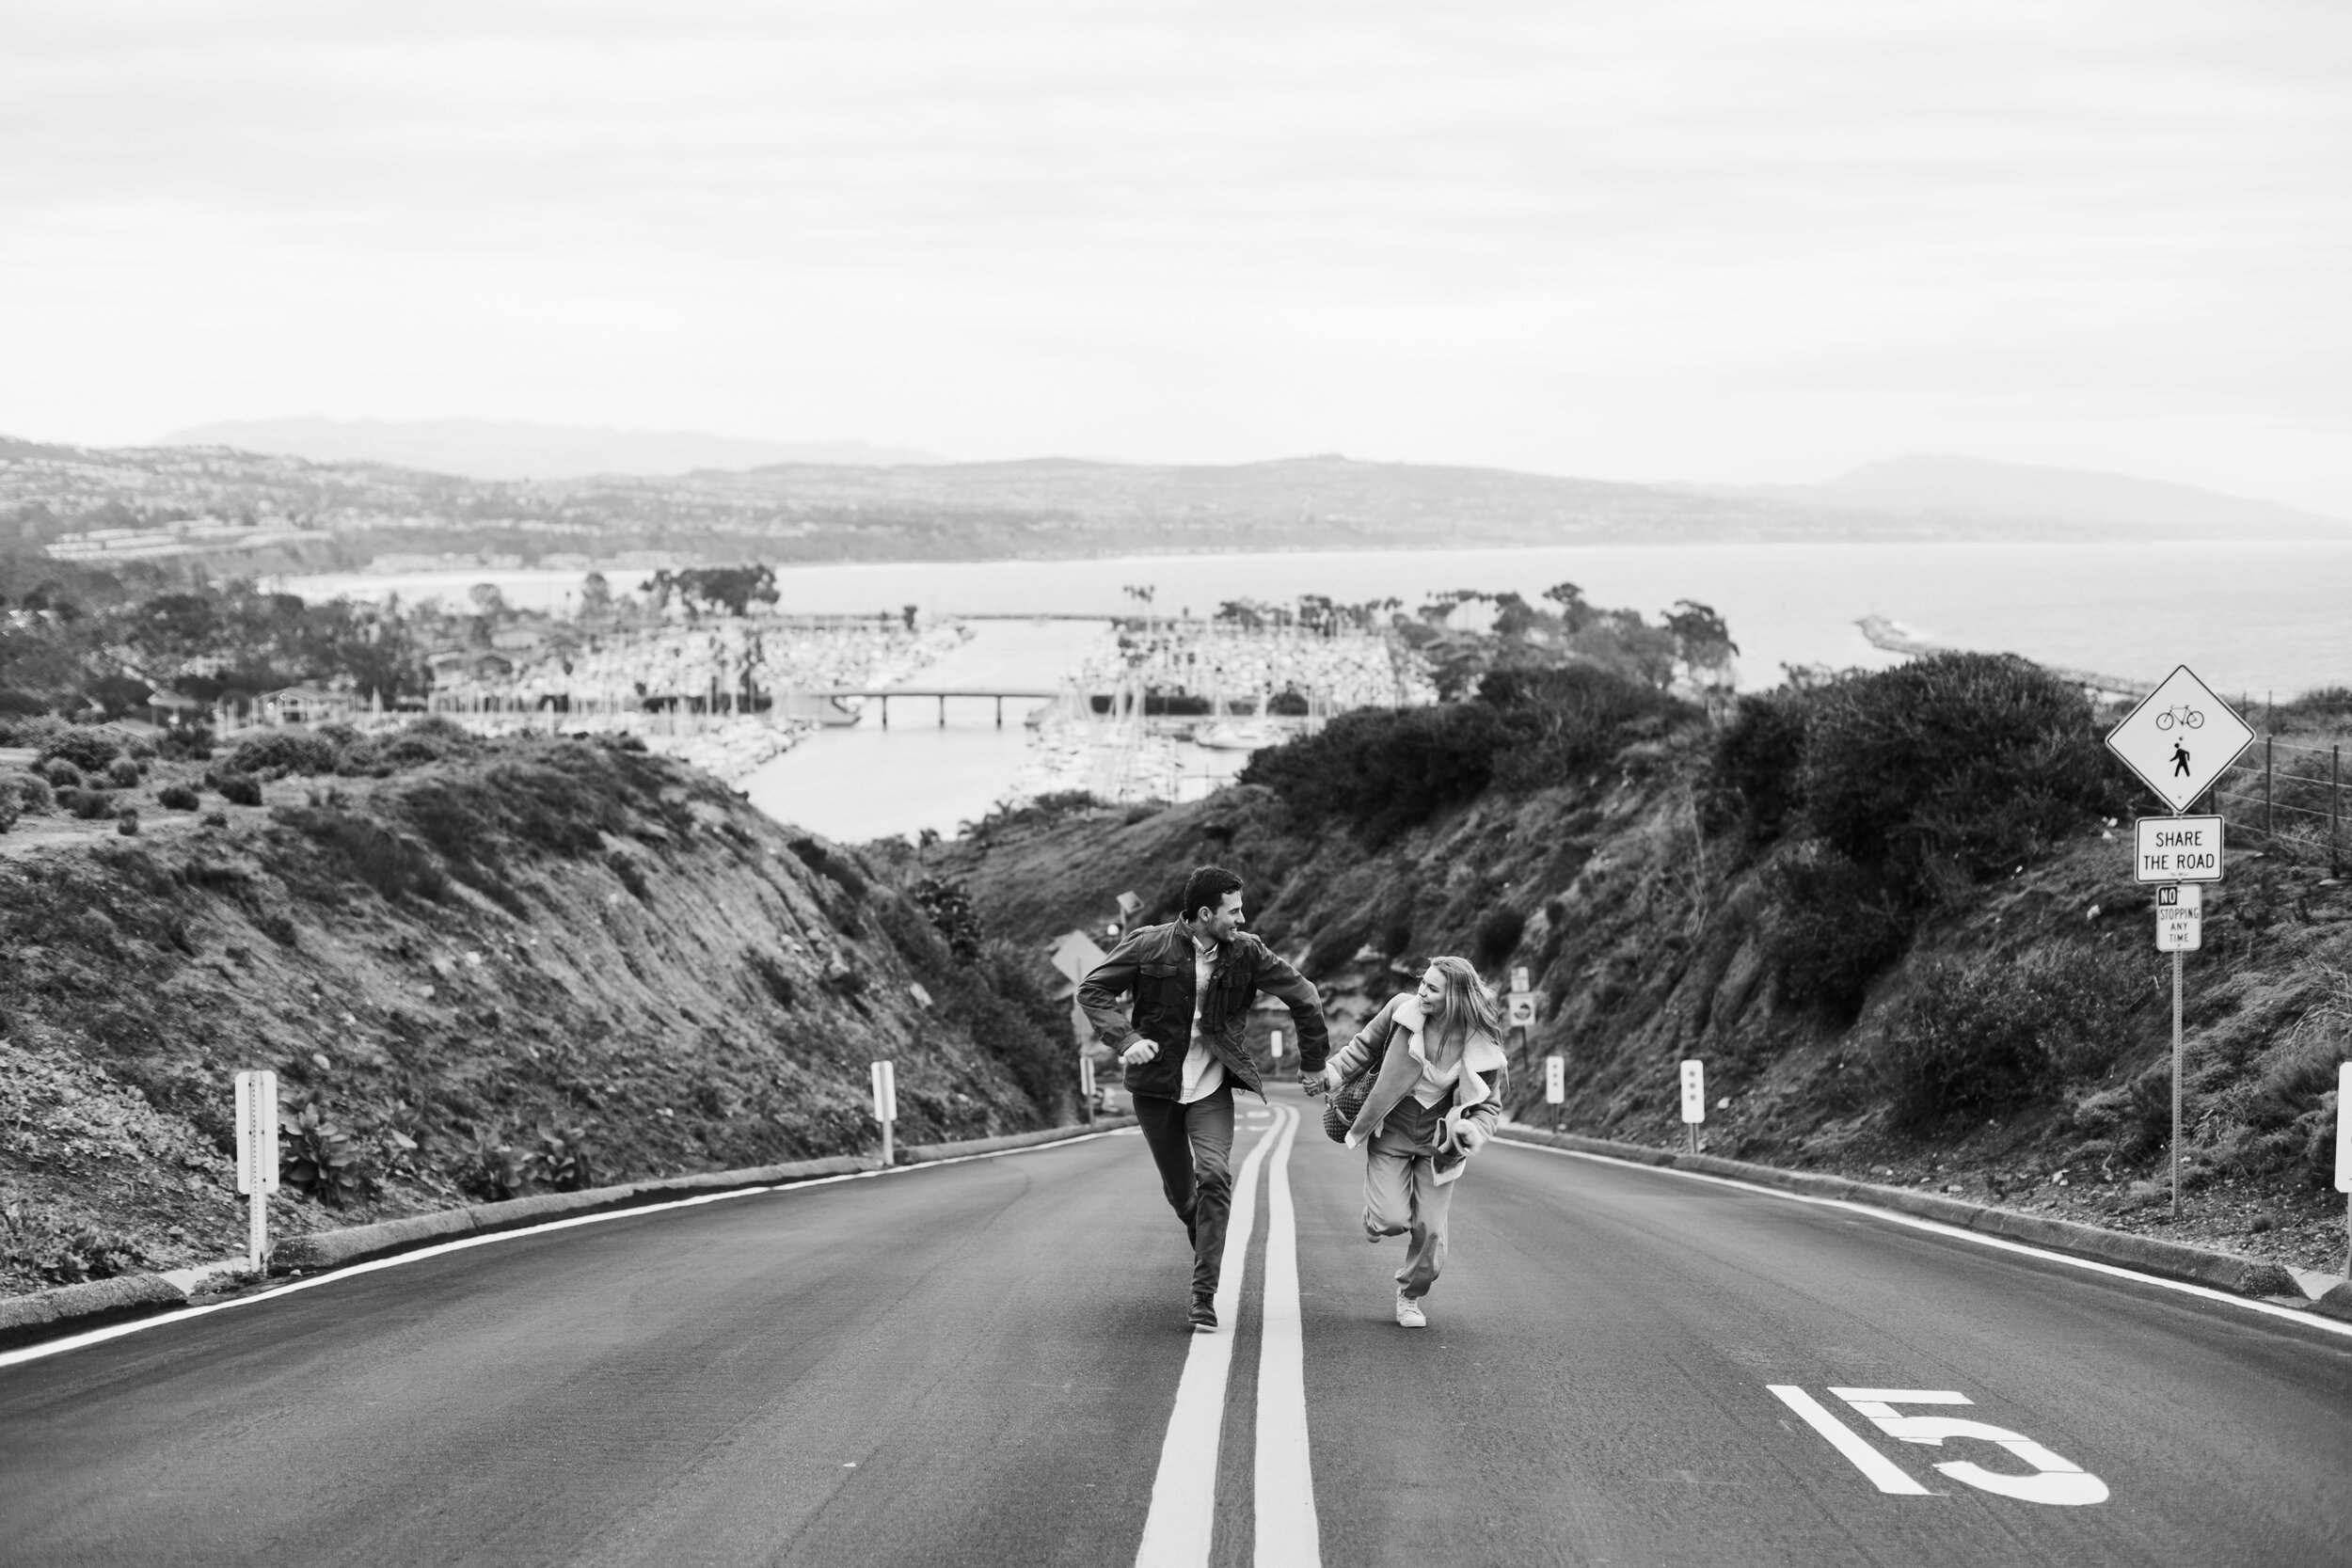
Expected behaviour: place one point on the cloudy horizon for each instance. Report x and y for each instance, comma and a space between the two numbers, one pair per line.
1689, 243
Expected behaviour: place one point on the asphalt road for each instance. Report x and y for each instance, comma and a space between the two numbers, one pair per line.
982, 1363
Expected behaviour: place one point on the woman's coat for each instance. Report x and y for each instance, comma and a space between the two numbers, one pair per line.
1394, 1036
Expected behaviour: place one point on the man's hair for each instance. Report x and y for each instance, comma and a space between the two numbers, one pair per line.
1206, 888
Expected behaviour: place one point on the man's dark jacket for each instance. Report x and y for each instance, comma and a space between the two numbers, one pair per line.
1155, 962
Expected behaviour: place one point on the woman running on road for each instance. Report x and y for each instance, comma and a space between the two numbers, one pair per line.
1435, 1098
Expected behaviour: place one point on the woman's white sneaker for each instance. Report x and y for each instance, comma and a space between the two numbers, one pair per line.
1409, 1312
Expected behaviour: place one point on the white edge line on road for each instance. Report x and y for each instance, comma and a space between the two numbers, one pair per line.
140, 1325
1884, 1472
2288, 1314
1287, 1534
1182, 1519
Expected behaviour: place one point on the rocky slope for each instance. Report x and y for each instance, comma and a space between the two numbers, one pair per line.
479, 969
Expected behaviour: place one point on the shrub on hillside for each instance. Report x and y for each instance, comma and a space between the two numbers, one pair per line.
1499, 935
238, 790
1569, 719
11, 804
834, 866
292, 751
1011, 1018
432, 738
1982, 1035
1830, 927
378, 857
1383, 771
123, 773
176, 797
1758, 758
33, 793
89, 749
948, 906
88, 804
1952, 768
61, 774
127, 822
189, 743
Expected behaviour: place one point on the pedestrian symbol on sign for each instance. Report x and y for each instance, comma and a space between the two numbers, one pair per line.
2180, 760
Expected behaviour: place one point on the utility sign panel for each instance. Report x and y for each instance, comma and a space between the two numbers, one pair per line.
2180, 738
2180, 915
885, 1092
1555, 1081
1694, 1091
2176, 849
257, 1131
1521, 1010
1519, 978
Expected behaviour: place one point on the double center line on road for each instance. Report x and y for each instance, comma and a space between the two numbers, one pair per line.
1177, 1532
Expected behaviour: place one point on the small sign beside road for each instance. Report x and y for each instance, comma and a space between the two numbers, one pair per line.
1694, 1091
2176, 849
1519, 978
2180, 739
1555, 1081
1520, 1011
257, 1131
886, 1103
257, 1158
2180, 915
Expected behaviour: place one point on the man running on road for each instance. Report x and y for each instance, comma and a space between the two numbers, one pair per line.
1193, 980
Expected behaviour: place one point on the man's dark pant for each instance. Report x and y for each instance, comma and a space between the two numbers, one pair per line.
1193, 1146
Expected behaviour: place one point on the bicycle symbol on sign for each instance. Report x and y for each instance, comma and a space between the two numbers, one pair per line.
2183, 715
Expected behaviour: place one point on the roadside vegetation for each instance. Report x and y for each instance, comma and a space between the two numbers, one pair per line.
1893, 911
481, 968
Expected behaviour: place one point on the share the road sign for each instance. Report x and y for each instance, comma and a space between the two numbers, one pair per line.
2176, 849
2180, 738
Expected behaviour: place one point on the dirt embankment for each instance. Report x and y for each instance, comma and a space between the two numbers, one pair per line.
493, 969
1653, 925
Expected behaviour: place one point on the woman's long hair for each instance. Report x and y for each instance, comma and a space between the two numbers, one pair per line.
1463, 1006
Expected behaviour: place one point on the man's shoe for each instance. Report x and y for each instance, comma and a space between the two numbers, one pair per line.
1203, 1315
1409, 1312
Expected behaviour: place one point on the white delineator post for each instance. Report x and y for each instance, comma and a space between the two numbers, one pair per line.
1693, 1099
1085, 1086
886, 1103
2344, 1155
1555, 1087
257, 1157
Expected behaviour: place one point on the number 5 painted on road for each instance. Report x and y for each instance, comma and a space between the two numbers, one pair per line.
2053, 1480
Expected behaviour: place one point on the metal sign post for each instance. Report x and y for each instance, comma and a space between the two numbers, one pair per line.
886, 1103
1555, 1087
257, 1157
2179, 740
1693, 1100
1085, 1086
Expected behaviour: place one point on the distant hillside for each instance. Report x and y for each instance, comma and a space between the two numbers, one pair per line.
2059, 499
485, 448
1040, 508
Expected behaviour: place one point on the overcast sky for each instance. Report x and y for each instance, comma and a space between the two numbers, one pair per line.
1740, 241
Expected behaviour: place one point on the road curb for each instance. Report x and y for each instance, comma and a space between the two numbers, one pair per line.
2221, 1271
97, 1301
71, 1309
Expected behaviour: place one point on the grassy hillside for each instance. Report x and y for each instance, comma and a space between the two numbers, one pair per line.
479, 969
1893, 913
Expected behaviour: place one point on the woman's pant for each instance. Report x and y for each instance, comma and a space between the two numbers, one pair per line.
1402, 1196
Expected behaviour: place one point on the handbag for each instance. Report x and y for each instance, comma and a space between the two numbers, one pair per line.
1342, 1105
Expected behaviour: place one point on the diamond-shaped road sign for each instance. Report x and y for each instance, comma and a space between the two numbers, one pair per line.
2180, 738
